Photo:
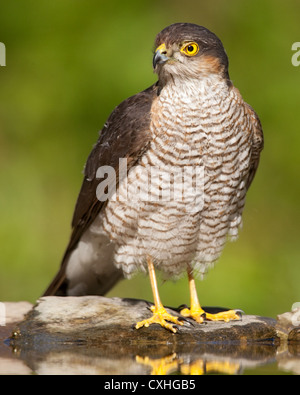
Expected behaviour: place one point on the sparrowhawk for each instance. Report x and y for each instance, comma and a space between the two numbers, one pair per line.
192, 118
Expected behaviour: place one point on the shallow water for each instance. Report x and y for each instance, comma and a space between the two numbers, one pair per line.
204, 359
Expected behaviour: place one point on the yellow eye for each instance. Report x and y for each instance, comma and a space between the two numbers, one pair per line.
190, 49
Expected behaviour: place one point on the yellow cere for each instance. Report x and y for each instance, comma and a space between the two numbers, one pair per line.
162, 48
190, 49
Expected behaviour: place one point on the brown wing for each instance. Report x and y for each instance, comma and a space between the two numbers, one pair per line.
125, 135
257, 143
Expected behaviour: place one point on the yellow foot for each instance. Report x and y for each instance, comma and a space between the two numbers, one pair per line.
224, 316
160, 316
198, 314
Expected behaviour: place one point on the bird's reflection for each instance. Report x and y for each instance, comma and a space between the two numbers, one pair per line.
160, 366
175, 364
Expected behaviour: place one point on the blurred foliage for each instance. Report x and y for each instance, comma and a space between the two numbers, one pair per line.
69, 63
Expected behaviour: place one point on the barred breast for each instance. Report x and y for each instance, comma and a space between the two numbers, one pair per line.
188, 191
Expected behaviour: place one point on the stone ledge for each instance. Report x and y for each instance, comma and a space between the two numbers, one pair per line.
96, 320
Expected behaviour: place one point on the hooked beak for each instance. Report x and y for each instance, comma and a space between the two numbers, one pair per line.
160, 55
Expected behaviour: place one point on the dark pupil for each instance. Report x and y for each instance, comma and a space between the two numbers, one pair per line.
190, 48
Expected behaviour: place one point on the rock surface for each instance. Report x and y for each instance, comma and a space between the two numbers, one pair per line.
288, 325
96, 320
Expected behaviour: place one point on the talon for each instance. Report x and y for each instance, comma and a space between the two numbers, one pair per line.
182, 307
239, 313
183, 319
160, 316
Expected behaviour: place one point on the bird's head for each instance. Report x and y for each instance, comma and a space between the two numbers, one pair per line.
189, 51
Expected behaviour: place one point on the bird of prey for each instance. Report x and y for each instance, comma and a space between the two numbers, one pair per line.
191, 119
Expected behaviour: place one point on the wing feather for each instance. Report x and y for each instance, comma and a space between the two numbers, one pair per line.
257, 143
125, 135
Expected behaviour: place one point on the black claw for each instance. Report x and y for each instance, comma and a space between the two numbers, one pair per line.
182, 319
190, 321
177, 328
239, 313
182, 306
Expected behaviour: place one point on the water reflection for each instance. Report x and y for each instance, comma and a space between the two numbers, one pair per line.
166, 365
230, 359
174, 364
45, 356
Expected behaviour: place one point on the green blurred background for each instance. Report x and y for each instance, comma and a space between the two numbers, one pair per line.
69, 63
